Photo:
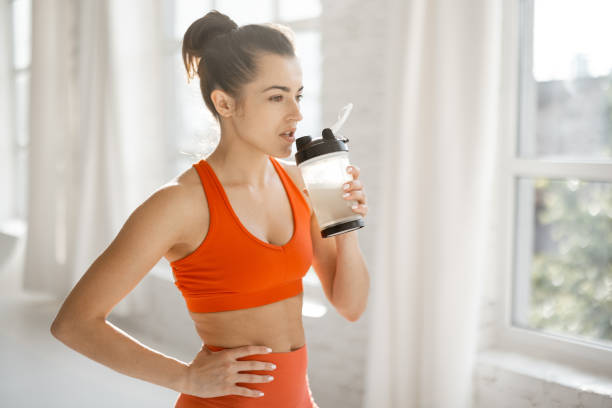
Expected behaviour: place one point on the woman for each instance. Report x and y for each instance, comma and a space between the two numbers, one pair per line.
239, 233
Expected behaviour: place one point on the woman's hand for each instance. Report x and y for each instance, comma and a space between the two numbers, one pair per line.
215, 373
353, 190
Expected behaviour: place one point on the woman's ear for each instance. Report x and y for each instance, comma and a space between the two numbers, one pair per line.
224, 103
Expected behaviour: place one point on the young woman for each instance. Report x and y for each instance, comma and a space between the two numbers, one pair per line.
239, 233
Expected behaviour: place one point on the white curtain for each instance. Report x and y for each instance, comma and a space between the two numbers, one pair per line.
96, 128
439, 178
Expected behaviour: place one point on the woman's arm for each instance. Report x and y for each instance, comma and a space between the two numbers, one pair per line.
338, 261
351, 279
147, 235
107, 344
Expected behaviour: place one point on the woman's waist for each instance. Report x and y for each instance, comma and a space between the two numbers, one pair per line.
281, 334
280, 341
277, 325
288, 389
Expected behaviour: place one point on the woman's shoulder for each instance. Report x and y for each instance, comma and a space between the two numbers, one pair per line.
189, 186
185, 193
185, 197
180, 185
294, 173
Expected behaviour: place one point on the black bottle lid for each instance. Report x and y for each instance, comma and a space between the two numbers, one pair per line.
342, 228
308, 148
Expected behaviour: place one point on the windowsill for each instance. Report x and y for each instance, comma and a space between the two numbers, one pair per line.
547, 372
14, 227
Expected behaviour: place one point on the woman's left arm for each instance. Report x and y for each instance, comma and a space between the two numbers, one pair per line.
338, 261
351, 282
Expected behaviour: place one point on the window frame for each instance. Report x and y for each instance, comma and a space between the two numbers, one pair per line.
515, 59
19, 147
12, 87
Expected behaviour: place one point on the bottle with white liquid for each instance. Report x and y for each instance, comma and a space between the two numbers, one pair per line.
323, 164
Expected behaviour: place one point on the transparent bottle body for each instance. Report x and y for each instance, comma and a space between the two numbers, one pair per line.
324, 177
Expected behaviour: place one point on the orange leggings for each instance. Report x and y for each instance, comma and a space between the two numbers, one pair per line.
288, 389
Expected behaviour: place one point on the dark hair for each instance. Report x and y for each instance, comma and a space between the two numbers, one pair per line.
224, 55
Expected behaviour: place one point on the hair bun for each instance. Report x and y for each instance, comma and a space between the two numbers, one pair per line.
200, 33
226, 57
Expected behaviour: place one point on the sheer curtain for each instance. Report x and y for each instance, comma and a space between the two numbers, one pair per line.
439, 181
96, 142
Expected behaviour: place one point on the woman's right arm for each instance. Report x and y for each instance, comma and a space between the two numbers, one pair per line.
150, 231
147, 235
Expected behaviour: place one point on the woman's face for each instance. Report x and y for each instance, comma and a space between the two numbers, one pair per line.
271, 105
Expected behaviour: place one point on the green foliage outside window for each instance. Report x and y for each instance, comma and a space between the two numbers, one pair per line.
571, 280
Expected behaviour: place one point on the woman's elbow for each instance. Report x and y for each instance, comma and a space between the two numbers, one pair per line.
62, 327
59, 329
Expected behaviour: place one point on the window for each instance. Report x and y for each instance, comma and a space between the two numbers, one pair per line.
559, 170
192, 129
20, 43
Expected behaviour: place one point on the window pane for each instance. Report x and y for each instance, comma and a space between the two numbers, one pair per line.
22, 28
308, 50
22, 95
247, 11
563, 272
21, 183
290, 10
566, 94
186, 12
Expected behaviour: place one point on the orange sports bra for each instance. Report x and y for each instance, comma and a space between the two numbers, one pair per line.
232, 269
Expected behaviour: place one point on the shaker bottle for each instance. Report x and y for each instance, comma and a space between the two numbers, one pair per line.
323, 164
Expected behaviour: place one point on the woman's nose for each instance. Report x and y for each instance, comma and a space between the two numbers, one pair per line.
296, 113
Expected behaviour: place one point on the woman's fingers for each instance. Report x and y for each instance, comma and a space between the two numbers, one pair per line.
353, 190
251, 365
238, 352
246, 392
358, 195
253, 378
352, 185
354, 170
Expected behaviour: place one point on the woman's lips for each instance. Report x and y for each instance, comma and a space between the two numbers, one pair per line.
288, 137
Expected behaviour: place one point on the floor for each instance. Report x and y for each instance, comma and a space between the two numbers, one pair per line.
39, 371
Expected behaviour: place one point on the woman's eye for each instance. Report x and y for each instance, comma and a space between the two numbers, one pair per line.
279, 98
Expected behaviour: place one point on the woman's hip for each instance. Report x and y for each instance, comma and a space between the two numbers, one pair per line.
289, 388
